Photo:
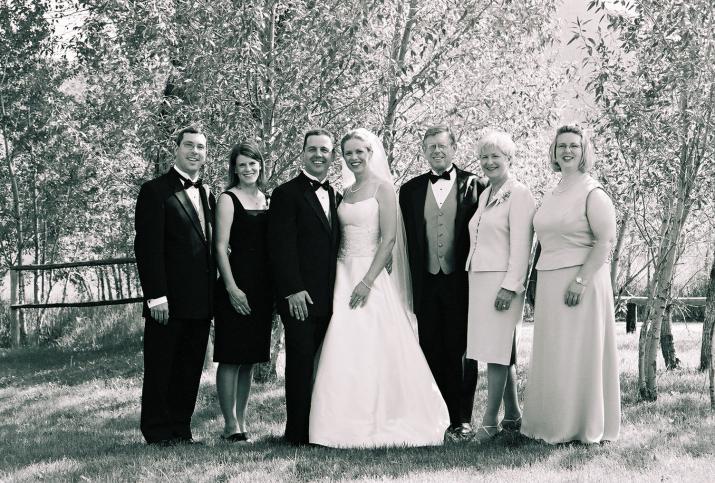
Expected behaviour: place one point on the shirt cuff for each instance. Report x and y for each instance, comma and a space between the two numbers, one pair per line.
154, 302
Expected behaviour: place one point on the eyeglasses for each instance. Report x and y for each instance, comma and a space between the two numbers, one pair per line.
572, 147
432, 147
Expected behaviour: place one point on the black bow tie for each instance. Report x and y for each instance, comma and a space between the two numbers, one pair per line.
188, 183
435, 177
317, 184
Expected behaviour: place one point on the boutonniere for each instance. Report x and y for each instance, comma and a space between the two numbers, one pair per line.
501, 197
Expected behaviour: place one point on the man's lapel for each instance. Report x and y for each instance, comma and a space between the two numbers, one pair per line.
312, 199
334, 225
419, 200
462, 205
190, 212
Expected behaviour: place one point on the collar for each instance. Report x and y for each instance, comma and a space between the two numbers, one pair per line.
310, 176
451, 170
185, 175
506, 187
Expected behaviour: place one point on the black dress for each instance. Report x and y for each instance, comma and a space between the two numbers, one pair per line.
245, 339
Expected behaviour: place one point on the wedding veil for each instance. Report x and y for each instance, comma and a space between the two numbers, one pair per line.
400, 263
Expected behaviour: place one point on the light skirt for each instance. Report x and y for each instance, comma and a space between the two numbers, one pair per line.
373, 386
573, 391
491, 333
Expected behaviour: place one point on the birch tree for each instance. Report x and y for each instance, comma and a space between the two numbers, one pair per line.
654, 81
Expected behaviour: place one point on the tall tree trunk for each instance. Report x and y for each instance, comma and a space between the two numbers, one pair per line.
617, 251
659, 297
19, 329
712, 373
400, 46
708, 324
666, 339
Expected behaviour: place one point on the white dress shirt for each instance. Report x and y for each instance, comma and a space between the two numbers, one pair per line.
442, 187
322, 194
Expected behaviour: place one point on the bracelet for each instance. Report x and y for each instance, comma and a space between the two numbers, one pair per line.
363, 282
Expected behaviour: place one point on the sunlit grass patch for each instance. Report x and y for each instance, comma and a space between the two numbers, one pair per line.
70, 414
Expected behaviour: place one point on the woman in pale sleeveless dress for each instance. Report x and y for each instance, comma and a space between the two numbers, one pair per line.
373, 386
573, 391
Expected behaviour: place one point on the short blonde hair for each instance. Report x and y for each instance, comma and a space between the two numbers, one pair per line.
586, 149
497, 139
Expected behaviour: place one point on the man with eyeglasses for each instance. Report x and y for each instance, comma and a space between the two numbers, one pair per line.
436, 207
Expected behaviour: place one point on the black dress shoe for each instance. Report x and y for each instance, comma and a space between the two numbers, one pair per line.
189, 441
163, 443
237, 438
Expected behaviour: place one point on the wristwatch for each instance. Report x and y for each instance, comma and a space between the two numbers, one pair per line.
580, 281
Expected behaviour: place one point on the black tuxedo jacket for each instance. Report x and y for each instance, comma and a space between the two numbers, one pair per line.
303, 244
412, 203
174, 259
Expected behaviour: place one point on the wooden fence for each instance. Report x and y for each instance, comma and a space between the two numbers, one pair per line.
633, 303
17, 305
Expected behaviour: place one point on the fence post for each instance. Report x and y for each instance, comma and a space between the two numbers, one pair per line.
631, 317
14, 313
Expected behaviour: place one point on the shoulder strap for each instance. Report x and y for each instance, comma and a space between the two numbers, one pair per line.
234, 198
377, 188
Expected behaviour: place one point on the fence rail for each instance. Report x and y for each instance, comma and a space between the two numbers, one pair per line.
16, 306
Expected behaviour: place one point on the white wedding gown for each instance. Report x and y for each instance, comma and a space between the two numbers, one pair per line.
373, 386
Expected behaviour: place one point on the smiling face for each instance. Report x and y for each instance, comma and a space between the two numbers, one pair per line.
318, 155
357, 155
568, 152
248, 170
191, 153
439, 151
495, 163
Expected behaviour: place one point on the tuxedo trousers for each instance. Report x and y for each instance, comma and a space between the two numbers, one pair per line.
442, 328
303, 340
173, 361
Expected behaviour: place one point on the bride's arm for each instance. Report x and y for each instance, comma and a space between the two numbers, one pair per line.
386, 198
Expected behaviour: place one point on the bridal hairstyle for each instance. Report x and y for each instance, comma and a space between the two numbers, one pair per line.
586, 149
499, 140
249, 150
356, 134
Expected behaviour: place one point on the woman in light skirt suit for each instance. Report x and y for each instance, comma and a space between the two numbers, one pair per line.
501, 238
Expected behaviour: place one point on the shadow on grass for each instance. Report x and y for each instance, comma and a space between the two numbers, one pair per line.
36, 366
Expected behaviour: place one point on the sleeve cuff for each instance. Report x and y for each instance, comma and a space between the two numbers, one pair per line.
513, 286
154, 302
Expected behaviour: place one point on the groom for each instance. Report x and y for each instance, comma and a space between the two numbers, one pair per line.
303, 236
436, 208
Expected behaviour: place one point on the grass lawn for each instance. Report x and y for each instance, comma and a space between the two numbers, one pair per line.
68, 415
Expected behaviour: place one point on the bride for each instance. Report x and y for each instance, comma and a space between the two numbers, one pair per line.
373, 386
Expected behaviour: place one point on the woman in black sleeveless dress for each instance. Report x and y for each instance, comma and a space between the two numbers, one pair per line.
244, 303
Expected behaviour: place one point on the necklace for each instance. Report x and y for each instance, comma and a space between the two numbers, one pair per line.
350, 189
564, 185
254, 202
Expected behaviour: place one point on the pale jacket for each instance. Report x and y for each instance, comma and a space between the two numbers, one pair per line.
501, 234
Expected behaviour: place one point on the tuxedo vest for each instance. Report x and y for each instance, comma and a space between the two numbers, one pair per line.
439, 231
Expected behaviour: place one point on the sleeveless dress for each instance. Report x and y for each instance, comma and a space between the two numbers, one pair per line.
573, 391
373, 386
245, 339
